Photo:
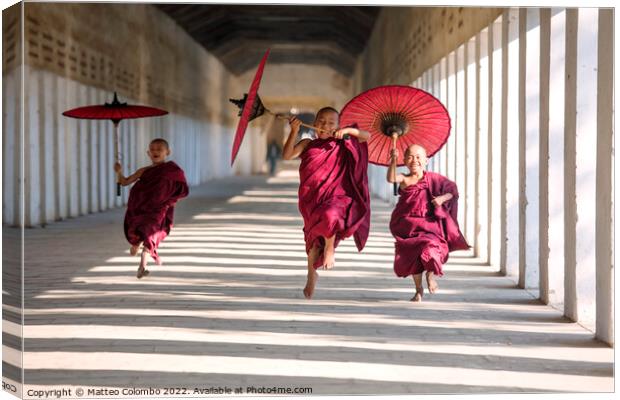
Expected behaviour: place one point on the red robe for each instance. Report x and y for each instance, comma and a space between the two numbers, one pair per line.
150, 209
425, 235
333, 192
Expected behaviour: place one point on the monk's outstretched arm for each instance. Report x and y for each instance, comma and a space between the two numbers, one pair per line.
449, 190
391, 173
292, 150
361, 135
124, 181
439, 200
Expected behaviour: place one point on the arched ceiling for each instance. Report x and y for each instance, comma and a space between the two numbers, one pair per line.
240, 34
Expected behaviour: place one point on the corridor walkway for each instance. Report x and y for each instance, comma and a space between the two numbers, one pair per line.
226, 310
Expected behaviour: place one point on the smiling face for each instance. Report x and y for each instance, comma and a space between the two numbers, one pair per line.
158, 151
415, 159
328, 120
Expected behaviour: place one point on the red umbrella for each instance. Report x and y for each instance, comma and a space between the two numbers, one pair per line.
254, 109
248, 113
396, 117
115, 111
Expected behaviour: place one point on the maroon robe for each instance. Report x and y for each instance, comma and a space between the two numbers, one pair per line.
333, 192
425, 235
150, 209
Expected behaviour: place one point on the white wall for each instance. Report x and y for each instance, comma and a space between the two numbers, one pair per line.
69, 162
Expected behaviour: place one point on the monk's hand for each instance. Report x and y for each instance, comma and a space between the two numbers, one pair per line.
295, 123
394, 154
339, 134
117, 167
438, 201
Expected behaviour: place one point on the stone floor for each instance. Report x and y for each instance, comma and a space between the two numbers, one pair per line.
226, 311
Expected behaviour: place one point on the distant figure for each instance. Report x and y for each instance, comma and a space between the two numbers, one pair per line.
273, 154
333, 189
424, 221
150, 209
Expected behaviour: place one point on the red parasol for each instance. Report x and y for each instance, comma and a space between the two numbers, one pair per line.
115, 111
256, 109
249, 113
397, 117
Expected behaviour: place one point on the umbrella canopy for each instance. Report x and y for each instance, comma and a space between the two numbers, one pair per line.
114, 111
251, 108
415, 116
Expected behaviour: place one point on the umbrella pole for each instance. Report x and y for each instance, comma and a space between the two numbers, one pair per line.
394, 141
280, 116
117, 157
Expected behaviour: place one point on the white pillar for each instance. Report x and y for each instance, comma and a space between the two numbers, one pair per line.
512, 143
197, 156
461, 126
531, 153
104, 165
10, 146
570, 206
604, 178
48, 155
72, 151
470, 143
219, 150
60, 97
132, 151
555, 181
32, 186
543, 155
212, 148
496, 133
586, 141
521, 141
437, 91
82, 156
40, 191
92, 140
451, 105
443, 97
483, 148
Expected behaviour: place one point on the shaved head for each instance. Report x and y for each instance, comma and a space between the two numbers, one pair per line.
414, 148
161, 141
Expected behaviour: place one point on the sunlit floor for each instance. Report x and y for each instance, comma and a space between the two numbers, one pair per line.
226, 311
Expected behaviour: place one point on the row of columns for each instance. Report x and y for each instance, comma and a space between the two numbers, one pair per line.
66, 165
531, 103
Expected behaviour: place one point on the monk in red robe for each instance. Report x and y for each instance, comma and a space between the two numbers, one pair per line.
150, 209
424, 221
333, 189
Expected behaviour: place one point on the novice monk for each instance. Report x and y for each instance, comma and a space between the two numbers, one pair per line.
333, 189
150, 209
424, 221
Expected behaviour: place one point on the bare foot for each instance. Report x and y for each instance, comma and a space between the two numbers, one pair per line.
313, 276
430, 281
329, 258
418, 295
142, 271
133, 250
329, 253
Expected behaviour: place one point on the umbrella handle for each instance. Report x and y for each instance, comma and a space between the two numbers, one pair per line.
394, 141
280, 116
116, 158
